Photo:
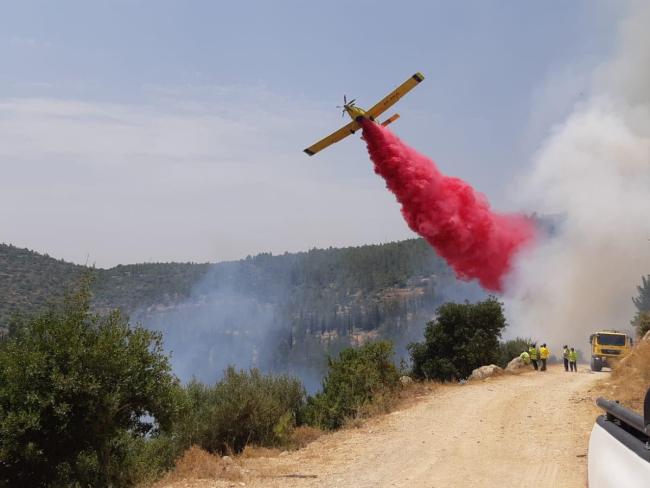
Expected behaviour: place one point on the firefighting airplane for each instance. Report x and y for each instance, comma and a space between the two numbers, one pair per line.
357, 114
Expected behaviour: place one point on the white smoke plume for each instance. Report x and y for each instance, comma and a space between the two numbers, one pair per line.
594, 173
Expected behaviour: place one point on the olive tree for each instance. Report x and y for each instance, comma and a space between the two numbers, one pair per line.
75, 386
462, 337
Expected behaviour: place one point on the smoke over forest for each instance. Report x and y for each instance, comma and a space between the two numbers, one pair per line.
287, 313
594, 171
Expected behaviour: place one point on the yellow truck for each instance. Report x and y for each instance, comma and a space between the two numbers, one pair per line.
607, 346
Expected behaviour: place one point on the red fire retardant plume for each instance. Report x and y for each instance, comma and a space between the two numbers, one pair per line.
454, 218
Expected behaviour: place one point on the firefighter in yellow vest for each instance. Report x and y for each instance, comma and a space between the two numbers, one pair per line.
544, 353
565, 356
573, 360
534, 354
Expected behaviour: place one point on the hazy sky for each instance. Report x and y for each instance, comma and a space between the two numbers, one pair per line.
157, 130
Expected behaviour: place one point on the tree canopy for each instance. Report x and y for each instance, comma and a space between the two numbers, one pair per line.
462, 337
641, 320
74, 386
642, 300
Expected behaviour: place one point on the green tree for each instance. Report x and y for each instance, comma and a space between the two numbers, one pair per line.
641, 320
356, 379
75, 387
642, 301
462, 337
641, 323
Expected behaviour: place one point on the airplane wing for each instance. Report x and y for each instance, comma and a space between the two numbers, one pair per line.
395, 95
342, 133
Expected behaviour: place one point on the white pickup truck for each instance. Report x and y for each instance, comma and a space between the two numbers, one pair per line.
619, 447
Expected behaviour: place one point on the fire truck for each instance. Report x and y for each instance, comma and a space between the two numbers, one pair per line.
607, 346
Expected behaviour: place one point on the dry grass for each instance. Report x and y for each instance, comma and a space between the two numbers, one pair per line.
195, 463
304, 435
299, 438
630, 378
254, 452
198, 464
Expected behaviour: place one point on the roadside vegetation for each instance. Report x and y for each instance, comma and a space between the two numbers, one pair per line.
462, 337
86, 399
630, 377
245, 407
358, 382
79, 393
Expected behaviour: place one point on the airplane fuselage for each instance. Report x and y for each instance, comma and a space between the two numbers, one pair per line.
357, 113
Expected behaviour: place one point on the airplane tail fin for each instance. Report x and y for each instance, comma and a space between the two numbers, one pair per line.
390, 120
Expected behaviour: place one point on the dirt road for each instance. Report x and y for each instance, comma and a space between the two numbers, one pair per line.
501, 432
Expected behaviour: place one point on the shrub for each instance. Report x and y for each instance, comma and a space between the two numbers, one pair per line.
511, 349
358, 378
140, 461
463, 337
244, 407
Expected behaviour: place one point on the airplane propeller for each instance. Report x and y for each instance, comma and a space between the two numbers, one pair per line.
346, 104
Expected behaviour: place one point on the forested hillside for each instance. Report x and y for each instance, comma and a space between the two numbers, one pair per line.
287, 312
29, 281
283, 312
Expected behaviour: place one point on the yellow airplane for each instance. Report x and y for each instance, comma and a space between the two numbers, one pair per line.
357, 113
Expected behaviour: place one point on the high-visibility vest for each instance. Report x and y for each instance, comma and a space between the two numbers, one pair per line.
573, 356
525, 357
566, 352
544, 353
533, 353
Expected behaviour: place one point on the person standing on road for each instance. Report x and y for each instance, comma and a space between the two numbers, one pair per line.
573, 360
565, 356
534, 354
544, 353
